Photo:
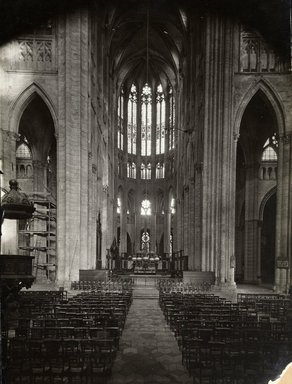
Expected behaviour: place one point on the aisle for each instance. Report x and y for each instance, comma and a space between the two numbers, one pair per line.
148, 350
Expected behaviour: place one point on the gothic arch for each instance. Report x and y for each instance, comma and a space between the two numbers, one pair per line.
264, 201
23, 100
171, 192
271, 96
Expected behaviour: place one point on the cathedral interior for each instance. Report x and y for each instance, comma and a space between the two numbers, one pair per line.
146, 234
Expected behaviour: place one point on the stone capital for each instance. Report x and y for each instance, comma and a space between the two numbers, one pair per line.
236, 136
38, 164
105, 188
11, 135
186, 188
285, 139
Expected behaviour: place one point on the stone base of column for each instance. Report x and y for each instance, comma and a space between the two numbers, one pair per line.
227, 291
198, 277
93, 274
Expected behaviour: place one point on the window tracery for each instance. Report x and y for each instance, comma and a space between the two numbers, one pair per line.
160, 121
146, 117
146, 208
131, 170
160, 170
270, 149
121, 120
132, 121
171, 119
145, 241
119, 205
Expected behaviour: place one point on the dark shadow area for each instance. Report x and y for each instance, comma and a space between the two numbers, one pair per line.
268, 241
270, 18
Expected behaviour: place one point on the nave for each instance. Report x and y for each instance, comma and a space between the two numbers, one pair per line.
167, 332
148, 351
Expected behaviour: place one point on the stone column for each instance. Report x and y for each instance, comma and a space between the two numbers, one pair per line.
39, 176
192, 238
219, 161
259, 250
284, 216
123, 224
197, 217
179, 224
9, 239
104, 220
251, 224
73, 145
93, 214
167, 224
137, 229
153, 231
186, 227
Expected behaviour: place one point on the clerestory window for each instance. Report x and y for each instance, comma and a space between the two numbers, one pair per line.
146, 117
132, 121
160, 121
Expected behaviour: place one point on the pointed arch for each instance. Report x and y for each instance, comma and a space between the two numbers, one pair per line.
23, 100
271, 96
264, 201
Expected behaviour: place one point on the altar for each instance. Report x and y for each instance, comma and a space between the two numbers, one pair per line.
145, 263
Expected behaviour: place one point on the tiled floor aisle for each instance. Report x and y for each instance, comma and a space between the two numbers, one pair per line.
148, 350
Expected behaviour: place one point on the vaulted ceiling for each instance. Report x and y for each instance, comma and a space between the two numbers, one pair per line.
167, 26
164, 34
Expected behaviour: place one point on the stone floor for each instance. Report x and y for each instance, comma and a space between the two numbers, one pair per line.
148, 350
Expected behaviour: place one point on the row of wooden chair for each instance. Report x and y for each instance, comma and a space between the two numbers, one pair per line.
73, 340
111, 285
177, 285
221, 342
273, 304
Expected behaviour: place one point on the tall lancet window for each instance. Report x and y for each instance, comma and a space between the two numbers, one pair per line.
143, 171
131, 170
121, 120
159, 170
132, 120
160, 121
146, 111
171, 118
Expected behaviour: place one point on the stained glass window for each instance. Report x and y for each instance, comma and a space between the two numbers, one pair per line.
23, 152
121, 120
148, 171
132, 121
143, 171
146, 207
131, 170
146, 116
145, 241
172, 205
269, 149
171, 118
118, 205
159, 170
160, 121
